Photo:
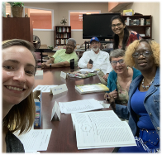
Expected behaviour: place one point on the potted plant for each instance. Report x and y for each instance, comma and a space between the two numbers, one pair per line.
63, 21
16, 8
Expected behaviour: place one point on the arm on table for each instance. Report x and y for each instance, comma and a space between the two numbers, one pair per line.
83, 61
47, 64
50, 61
61, 64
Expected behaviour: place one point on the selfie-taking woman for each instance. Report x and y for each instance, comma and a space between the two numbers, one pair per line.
122, 36
18, 107
120, 78
143, 107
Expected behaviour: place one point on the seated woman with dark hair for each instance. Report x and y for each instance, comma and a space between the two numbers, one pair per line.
143, 109
122, 36
120, 78
18, 106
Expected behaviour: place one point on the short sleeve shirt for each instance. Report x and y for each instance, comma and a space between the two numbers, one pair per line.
61, 56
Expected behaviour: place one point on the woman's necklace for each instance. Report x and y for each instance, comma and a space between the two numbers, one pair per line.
146, 87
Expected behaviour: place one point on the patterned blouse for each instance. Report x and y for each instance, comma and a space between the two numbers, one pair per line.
133, 36
122, 95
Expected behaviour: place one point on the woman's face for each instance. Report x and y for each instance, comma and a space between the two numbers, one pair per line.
18, 66
118, 65
143, 57
117, 26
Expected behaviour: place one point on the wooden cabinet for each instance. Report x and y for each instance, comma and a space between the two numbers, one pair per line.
62, 34
17, 28
140, 24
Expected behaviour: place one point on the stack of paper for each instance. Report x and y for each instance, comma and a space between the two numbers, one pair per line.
39, 74
85, 70
90, 88
44, 88
78, 74
35, 140
101, 129
79, 106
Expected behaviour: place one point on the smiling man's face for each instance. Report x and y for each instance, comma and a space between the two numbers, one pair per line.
70, 47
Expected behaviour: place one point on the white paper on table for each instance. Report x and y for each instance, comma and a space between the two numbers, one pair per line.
63, 74
79, 118
79, 106
95, 117
101, 129
35, 140
59, 89
39, 74
93, 136
44, 88
87, 70
104, 104
56, 111
33, 152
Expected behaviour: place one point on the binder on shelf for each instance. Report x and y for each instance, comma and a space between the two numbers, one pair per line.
59, 29
62, 41
148, 31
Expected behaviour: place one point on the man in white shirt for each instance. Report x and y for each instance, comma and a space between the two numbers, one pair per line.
100, 59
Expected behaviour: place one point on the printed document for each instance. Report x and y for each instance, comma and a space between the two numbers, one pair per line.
39, 74
101, 129
91, 88
87, 70
79, 106
44, 88
35, 140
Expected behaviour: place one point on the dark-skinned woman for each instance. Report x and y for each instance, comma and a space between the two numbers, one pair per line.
143, 108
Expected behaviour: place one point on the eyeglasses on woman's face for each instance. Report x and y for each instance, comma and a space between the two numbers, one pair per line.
114, 63
118, 25
145, 54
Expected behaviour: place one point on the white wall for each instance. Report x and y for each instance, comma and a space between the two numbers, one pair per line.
62, 10
149, 8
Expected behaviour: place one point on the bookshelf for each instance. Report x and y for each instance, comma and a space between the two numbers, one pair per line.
142, 24
62, 34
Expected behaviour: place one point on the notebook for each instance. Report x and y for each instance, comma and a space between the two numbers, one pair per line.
91, 88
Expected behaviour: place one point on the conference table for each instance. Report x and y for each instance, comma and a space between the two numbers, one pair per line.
63, 137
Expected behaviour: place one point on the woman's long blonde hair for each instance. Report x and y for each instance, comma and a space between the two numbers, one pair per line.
155, 47
21, 116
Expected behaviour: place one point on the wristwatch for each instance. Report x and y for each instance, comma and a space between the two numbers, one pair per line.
50, 65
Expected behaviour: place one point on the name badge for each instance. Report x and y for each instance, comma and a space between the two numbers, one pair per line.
59, 89
63, 74
56, 114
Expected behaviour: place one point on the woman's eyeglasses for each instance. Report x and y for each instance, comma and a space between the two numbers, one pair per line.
114, 63
114, 25
145, 54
